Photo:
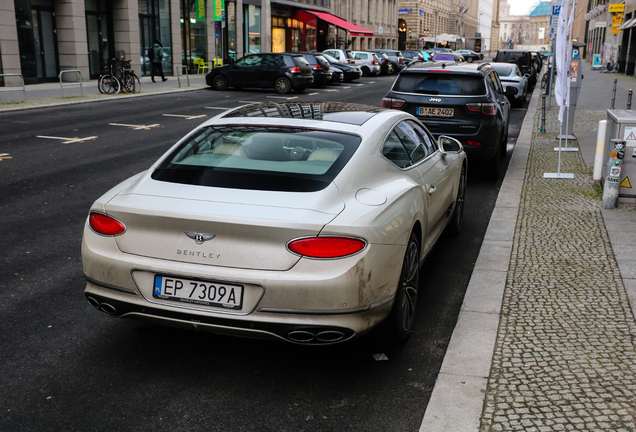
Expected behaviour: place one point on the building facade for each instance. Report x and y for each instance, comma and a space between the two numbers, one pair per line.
41, 38
532, 30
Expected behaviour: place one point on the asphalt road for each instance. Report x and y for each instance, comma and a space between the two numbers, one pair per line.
65, 366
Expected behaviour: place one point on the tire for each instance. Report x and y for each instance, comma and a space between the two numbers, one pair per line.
469, 59
99, 84
455, 223
282, 85
131, 84
494, 166
366, 71
219, 82
401, 320
504, 144
395, 69
109, 84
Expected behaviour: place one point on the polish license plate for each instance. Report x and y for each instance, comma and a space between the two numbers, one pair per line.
435, 112
198, 292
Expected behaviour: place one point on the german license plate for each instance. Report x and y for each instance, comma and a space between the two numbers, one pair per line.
435, 112
198, 292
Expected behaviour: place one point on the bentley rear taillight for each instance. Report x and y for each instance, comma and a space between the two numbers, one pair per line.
326, 247
105, 225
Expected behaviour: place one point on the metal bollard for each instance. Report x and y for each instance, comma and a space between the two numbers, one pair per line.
542, 128
613, 173
629, 100
614, 94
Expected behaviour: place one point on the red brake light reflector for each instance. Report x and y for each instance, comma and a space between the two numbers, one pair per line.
106, 225
473, 143
392, 103
326, 247
295, 70
317, 67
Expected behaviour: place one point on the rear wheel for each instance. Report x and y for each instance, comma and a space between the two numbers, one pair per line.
455, 224
219, 82
401, 320
366, 71
469, 59
493, 166
282, 85
109, 84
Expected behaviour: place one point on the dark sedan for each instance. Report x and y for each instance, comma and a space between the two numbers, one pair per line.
470, 56
283, 72
350, 72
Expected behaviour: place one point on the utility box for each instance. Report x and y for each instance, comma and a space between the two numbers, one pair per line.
621, 124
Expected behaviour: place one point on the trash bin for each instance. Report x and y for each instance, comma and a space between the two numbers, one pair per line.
621, 124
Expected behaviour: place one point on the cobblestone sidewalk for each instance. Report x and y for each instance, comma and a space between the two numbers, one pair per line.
565, 356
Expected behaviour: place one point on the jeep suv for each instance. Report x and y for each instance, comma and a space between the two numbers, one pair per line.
521, 58
464, 100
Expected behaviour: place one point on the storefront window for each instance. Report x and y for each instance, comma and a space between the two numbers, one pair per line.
252, 24
279, 35
231, 29
154, 23
310, 36
194, 40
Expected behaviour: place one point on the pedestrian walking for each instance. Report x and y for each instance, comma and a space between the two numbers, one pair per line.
155, 54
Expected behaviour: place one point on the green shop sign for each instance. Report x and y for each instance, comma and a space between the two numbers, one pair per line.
219, 6
200, 10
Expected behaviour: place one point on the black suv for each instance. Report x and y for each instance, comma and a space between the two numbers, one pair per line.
463, 100
284, 72
523, 59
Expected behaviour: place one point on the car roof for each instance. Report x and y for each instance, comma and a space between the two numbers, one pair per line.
467, 68
337, 112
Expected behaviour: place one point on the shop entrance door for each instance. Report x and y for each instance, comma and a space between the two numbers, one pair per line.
45, 38
100, 50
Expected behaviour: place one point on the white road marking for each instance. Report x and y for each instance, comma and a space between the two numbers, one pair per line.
187, 117
221, 108
250, 102
135, 127
311, 94
68, 140
4, 156
283, 97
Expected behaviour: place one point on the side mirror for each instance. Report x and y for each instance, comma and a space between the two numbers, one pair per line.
511, 91
448, 145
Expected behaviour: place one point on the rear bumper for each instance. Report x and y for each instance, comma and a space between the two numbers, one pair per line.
343, 298
302, 81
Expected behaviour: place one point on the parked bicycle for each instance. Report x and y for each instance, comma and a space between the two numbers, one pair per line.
119, 76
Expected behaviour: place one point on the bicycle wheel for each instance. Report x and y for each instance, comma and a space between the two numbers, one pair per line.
136, 83
128, 83
109, 84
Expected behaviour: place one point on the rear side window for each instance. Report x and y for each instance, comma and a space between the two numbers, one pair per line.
440, 84
273, 60
259, 158
361, 56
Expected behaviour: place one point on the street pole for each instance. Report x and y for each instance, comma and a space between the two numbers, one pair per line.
435, 27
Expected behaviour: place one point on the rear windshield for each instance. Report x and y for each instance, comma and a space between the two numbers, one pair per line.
259, 158
301, 61
504, 70
513, 57
440, 84
322, 61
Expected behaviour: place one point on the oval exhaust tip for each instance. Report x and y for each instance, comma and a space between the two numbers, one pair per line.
301, 336
93, 301
330, 336
108, 308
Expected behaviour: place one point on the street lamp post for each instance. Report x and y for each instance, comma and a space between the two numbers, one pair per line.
435, 27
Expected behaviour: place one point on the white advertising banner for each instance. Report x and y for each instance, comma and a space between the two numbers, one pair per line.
563, 54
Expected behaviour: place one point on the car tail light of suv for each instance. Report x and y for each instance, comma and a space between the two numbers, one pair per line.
392, 103
489, 109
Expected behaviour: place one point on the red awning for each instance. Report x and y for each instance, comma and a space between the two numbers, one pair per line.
353, 29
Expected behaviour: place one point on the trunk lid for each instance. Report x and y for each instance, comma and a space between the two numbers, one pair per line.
236, 228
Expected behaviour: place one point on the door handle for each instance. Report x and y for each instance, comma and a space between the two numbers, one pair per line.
432, 189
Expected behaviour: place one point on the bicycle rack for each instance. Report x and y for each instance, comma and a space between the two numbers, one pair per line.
183, 68
12, 90
71, 84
